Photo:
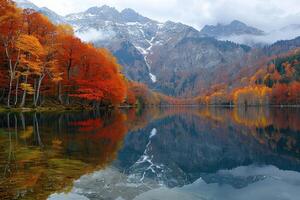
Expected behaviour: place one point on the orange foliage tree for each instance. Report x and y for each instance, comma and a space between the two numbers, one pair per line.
39, 56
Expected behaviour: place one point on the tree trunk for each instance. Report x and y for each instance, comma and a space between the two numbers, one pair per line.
11, 77
69, 77
24, 94
38, 90
12, 71
59, 95
17, 88
35, 90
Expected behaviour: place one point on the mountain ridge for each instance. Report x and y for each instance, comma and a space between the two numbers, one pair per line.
236, 27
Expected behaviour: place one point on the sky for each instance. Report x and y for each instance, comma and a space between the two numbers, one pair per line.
264, 14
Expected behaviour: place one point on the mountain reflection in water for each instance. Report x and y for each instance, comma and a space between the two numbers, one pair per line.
167, 153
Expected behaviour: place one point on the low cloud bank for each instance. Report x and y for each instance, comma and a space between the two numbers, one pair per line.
269, 38
92, 35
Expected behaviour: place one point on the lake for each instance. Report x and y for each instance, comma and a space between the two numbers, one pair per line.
156, 153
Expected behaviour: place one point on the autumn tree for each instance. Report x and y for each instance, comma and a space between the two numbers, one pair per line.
10, 29
99, 79
47, 34
294, 93
31, 53
252, 96
69, 57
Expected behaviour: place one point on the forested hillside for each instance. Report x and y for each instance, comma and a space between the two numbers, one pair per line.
274, 80
40, 59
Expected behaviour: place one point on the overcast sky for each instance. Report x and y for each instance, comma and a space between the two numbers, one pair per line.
264, 14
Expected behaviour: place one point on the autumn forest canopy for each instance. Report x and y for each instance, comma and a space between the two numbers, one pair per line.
275, 81
39, 60
42, 63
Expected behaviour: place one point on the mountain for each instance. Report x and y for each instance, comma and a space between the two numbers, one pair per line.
234, 28
169, 57
26, 4
165, 56
54, 17
282, 46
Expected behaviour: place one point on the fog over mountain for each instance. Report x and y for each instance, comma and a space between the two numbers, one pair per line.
265, 15
286, 33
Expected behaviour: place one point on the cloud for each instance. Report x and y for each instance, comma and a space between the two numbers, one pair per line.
264, 14
92, 35
269, 38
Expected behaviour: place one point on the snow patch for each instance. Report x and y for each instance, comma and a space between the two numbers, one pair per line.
90, 15
153, 133
133, 24
146, 52
142, 50
153, 78
160, 25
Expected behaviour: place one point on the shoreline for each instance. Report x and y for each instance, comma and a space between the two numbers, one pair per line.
44, 109
88, 108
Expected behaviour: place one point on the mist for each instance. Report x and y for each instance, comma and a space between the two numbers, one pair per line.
286, 33
92, 35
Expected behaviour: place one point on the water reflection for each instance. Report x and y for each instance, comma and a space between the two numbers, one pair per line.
44, 153
190, 144
246, 183
166, 153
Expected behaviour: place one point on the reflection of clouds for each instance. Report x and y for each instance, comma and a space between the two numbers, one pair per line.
273, 184
264, 183
105, 184
69, 196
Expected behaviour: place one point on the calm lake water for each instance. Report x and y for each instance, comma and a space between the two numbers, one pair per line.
169, 153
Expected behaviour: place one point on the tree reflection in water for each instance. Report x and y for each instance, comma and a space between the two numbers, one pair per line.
45, 153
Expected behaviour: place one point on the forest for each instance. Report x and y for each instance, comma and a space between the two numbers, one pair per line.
275, 81
40, 59
42, 64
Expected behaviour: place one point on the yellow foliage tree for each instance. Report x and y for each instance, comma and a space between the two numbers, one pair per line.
31, 53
